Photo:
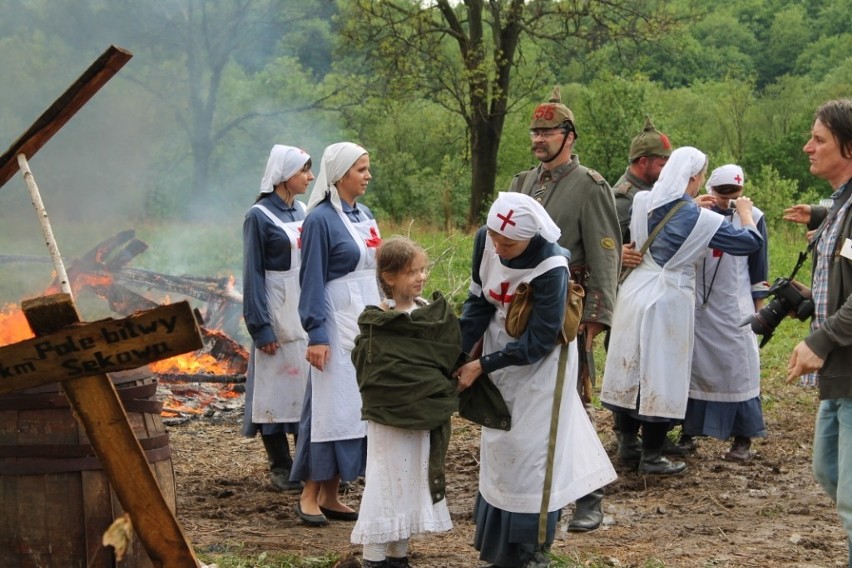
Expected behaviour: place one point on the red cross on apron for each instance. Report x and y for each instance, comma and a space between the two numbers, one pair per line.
501, 296
375, 240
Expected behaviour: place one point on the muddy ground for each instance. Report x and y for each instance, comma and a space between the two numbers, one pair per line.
769, 512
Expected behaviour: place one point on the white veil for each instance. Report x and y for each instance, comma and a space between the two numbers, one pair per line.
336, 161
684, 163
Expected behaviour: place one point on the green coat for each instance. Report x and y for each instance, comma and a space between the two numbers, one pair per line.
403, 363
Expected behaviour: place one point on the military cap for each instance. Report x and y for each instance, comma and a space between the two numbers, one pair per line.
552, 113
649, 142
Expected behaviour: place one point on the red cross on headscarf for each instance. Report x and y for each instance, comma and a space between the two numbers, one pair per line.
299, 238
502, 295
375, 239
738, 179
507, 219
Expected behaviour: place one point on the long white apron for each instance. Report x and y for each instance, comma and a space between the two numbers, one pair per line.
650, 346
725, 358
512, 464
280, 379
335, 398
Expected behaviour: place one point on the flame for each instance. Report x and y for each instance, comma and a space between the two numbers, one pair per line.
13, 325
192, 364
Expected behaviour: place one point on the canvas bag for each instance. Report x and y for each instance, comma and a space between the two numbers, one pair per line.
518, 314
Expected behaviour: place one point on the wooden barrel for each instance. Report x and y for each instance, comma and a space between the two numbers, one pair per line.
55, 499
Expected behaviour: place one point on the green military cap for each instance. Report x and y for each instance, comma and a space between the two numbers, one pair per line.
650, 142
552, 113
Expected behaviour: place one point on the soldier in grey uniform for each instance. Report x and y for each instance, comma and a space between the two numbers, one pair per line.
580, 202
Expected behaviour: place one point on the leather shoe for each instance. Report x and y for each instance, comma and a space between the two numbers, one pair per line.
311, 520
340, 515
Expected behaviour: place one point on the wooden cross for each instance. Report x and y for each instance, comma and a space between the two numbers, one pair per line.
80, 356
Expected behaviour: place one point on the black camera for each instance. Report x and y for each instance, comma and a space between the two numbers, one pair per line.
786, 299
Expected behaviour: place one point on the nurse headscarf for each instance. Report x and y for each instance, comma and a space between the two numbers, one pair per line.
284, 162
336, 161
519, 217
684, 163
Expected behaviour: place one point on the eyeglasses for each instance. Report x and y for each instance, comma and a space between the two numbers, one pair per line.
545, 132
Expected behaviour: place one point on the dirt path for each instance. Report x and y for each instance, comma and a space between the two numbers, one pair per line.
769, 512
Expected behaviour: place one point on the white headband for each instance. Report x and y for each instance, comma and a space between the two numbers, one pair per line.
520, 217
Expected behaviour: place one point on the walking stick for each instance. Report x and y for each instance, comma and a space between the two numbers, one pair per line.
551, 448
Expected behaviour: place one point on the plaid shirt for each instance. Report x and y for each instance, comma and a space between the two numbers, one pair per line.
825, 253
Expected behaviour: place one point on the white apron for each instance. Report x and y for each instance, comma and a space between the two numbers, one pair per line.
335, 398
725, 358
650, 347
512, 464
280, 379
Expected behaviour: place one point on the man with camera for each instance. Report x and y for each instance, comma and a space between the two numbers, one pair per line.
828, 348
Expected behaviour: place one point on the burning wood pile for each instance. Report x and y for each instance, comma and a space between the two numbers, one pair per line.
196, 384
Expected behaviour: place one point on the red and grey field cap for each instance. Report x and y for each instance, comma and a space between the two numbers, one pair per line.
552, 113
650, 142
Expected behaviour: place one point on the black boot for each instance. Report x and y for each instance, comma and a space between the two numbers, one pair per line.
376, 563
684, 446
740, 450
397, 562
653, 463
629, 449
588, 514
280, 462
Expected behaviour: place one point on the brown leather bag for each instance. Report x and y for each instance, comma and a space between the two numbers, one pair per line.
518, 314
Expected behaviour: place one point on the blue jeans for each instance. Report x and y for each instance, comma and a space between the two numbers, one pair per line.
832, 461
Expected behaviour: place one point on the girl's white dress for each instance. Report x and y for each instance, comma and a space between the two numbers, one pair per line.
396, 502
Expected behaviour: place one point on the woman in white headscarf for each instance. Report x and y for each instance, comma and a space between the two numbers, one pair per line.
338, 278
518, 244
278, 372
646, 378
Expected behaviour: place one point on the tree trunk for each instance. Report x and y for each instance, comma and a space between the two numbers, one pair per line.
484, 143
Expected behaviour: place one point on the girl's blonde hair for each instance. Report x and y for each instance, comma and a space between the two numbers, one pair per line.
394, 256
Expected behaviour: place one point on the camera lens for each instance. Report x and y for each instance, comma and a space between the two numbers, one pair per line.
767, 319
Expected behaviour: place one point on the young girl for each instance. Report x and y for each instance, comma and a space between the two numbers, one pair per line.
404, 356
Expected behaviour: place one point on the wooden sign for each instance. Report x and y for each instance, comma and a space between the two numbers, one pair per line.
105, 346
97, 407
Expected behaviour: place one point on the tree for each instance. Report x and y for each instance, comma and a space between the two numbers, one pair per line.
469, 57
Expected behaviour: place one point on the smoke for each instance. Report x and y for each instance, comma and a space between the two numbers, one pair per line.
124, 160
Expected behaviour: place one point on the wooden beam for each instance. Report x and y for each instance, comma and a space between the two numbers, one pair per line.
98, 408
66, 106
